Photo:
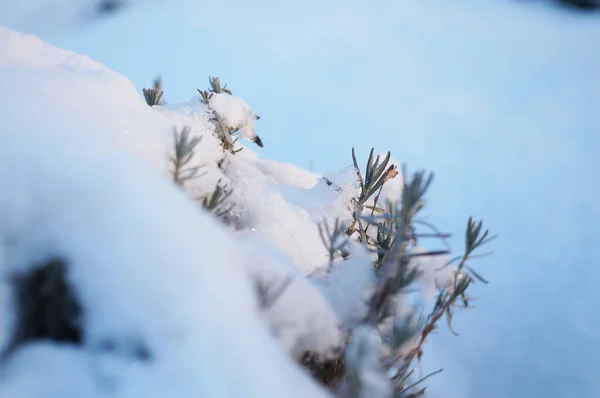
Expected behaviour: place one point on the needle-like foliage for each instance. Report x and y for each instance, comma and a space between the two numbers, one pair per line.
335, 240
377, 173
214, 202
224, 132
184, 146
402, 333
152, 96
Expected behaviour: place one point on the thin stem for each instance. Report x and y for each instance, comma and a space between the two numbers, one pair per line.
420, 381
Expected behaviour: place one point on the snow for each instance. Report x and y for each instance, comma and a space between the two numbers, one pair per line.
196, 116
347, 286
44, 98
300, 317
289, 223
147, 265
363, 359
236, 113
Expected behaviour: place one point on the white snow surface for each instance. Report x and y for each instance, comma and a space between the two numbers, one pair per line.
347, 286
236, 113
301, 318
82, 176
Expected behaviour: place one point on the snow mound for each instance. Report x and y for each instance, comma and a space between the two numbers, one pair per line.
83, 177
300, 317
347, 286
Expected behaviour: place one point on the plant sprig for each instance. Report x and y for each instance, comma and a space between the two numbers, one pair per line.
223, 133
215, 201
184, 147
153, 96
395, 245
446, 299
377, 173
334, 240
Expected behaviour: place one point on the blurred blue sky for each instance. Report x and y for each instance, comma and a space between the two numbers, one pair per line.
500, 98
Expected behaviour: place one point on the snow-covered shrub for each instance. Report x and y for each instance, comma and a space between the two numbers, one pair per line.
116, 278
385, 338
